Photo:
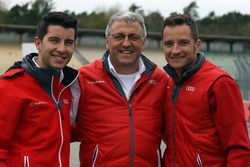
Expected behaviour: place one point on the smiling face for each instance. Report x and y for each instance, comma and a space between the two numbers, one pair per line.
179, 47
56, 48
125, 44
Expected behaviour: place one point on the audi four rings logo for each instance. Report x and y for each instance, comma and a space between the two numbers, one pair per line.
153, 82
190, 88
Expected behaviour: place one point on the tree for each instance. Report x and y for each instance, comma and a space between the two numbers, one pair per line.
112, 10
154, 21
191, 11
211, 15
231, 22
18, 14
97, 20
3, 11
208, 25
38, 9
29, 13
137, 9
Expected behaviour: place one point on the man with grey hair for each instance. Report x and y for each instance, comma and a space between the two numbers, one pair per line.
121, 105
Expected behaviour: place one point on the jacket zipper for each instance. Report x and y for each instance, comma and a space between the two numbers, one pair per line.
130, 107
60, 120
174, 98
95, 154
199, 161
57, 101
159, 157
26, 161
131, 135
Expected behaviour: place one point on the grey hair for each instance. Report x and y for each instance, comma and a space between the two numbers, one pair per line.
128, 17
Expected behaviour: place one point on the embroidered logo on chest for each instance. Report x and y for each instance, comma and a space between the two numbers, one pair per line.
152, 82
190, 88
66, 101
96, 82
36, 103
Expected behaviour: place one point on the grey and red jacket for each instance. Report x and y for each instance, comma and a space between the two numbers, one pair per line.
115, 131
35, 116
204, 122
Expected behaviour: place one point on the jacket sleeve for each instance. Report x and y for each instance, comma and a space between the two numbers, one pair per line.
227, 105
2, 163
9, 114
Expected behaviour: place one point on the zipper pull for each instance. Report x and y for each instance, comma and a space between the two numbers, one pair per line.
130, 109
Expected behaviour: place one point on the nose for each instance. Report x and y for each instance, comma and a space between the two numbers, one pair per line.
176, 49
61, 47
126, 41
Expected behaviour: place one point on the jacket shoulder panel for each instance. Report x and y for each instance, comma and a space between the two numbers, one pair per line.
92, 67
12, 72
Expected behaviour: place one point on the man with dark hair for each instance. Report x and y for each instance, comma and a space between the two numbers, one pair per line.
37, 98
204, 120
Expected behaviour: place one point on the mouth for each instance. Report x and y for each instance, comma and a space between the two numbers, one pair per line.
59, 58
177, 57
126, 51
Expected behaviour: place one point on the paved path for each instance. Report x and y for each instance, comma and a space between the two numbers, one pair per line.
74, 160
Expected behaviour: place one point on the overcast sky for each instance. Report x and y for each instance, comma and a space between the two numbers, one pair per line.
165, 7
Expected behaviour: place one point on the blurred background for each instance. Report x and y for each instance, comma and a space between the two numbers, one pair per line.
224, 27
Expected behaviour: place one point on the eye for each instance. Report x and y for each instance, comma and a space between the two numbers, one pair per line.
134, 37
69, 42
168, 43
184, 42
54, 40
118, 37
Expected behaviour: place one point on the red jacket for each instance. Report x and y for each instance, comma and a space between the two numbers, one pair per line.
115, 131
35, 125
205, 123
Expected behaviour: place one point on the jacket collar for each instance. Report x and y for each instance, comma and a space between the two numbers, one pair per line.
45, 75
188, 72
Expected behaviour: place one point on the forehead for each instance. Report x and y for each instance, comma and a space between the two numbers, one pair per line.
177, 31
125, 27
60, 31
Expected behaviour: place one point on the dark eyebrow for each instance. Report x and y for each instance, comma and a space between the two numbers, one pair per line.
53, 37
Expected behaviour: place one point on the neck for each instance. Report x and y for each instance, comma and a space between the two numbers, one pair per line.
126, 70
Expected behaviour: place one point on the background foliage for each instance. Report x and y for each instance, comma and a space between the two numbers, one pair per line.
232, 23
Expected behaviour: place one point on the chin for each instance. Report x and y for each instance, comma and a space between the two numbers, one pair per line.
59, 66
177, 66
